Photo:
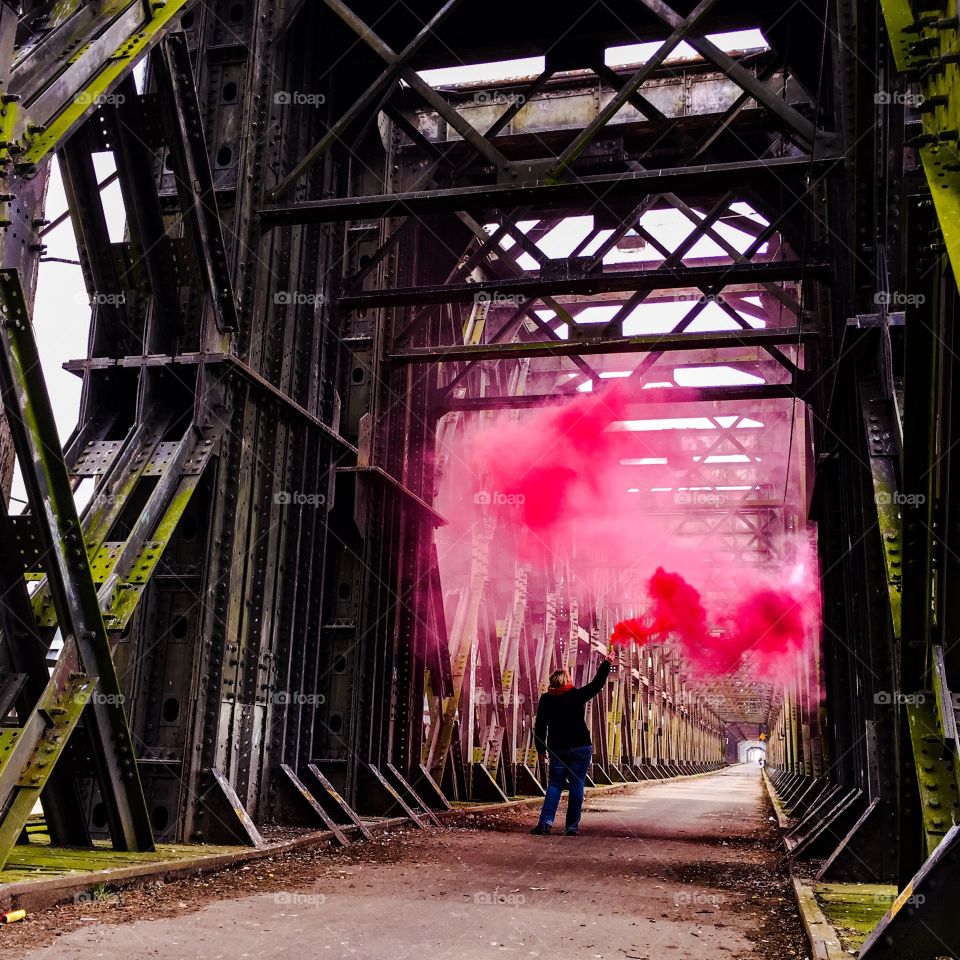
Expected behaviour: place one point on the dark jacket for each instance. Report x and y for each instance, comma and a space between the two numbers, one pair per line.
560, 724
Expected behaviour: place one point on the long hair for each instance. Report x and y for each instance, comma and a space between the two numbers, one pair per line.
559, 678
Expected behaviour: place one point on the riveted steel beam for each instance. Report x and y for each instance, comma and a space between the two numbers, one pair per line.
586, 347
364, 101
653, 396
64, 555
580, 195
922, 922
48, 101
188, 157
924, 41
501, 291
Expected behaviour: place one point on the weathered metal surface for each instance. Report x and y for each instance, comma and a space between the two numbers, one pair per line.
47, 100
922, 922
86, 646
545, 195
924, 40
263, 539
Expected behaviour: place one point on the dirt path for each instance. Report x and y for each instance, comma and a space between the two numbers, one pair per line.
682, 870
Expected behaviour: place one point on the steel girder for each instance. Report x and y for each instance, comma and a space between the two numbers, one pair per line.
43, 106
657, 397
490, 756
279, 469
878, 808
598, 190
923, 41
165, 289
529, 288
920, 481
85, 663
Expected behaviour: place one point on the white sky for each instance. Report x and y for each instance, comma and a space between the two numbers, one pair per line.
61, 319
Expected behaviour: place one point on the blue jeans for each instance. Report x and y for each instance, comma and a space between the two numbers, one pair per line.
566, 767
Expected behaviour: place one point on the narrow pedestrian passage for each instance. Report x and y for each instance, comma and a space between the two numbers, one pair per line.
680, 869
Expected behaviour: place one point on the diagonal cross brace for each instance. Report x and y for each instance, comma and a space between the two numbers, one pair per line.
195, 178
703, 227
366, 99
791, 118
416, 82
57, 524
777, 354
30, 753
73, 83
681, 27
648, 362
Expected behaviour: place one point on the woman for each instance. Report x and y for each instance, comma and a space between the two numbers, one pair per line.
561, 733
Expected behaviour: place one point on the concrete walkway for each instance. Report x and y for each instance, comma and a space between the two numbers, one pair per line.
681, 870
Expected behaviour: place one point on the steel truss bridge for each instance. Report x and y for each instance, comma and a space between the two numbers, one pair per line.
337, 264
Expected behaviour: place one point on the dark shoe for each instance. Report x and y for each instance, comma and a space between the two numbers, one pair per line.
540, 830
570, 833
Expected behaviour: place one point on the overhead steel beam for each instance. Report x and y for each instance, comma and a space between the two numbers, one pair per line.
661, 343
653, 396
66, 77
602, 282
789, 173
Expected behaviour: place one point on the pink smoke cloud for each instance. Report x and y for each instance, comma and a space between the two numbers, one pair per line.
563, 494
768, 628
